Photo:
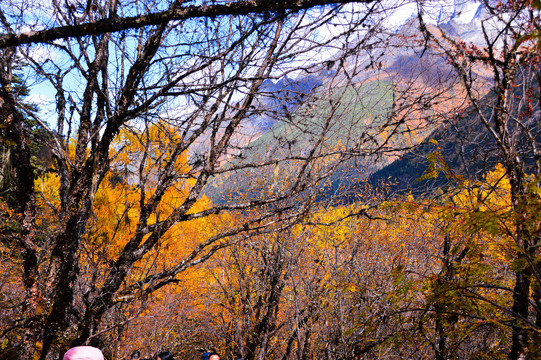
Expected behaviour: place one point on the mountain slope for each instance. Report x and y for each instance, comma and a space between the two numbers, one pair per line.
409, 86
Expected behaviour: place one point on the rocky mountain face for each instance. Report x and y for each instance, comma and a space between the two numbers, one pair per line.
279, 98
405, 66
461, 20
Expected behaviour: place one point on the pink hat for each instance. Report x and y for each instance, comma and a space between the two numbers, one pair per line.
83, 353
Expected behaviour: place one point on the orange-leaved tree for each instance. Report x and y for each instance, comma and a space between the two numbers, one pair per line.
509, 116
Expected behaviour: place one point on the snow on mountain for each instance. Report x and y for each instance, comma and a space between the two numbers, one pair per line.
466, 12
460, 18
461, 12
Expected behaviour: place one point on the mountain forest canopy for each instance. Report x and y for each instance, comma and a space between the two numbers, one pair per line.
307, 179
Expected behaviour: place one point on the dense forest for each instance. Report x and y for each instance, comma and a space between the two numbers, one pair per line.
308, 179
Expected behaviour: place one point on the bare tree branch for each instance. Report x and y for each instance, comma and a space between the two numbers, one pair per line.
114, 24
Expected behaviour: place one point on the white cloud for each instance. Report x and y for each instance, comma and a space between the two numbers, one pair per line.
39, 99
42, 53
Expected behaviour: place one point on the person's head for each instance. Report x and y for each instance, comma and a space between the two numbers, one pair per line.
165, 355
83, 353
135, 355
214, 356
